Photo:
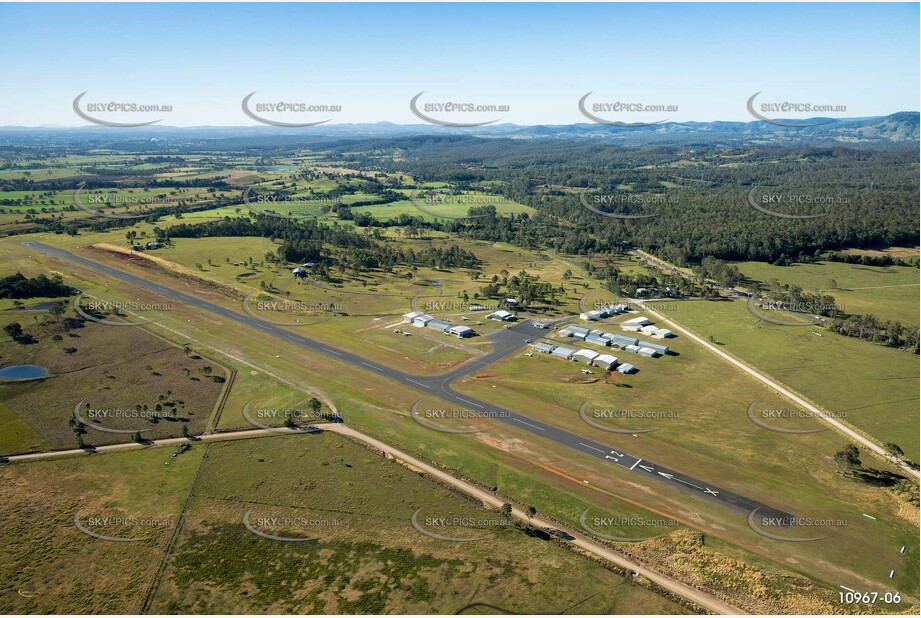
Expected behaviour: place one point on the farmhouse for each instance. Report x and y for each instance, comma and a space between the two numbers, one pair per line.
477, 308
299, 272
625, 368
562, 352
543, 347
585, 356
501, 315
461, 331
605, 361
153, 245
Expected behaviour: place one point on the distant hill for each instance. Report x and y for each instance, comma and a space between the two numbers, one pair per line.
901, 128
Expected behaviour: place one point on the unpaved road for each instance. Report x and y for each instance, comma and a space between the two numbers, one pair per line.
823, 415
702, 599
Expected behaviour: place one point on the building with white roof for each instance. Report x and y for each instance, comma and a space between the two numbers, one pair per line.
598, 340
626, 368
637, 321
623, 340
584, 356
501, 315
422, 320
563, 352
605, 361
439, 325
543, 347
658, 347
412, 315
461, 331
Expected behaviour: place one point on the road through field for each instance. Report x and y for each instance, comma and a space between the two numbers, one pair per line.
823, 415
704, 600
505, 342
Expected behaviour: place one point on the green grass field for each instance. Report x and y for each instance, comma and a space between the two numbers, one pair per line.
888, 292
48, 566
874, 388
538, 472
127, 380
367, 557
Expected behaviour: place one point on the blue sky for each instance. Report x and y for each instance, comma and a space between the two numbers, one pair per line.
538, 59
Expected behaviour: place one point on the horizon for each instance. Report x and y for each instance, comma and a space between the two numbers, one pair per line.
424, 125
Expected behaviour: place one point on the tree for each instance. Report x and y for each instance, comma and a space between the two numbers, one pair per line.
893, 451
185, 431
506, 511
532, 511
57, 310
847, 458
137, 437
14, 330
315, 405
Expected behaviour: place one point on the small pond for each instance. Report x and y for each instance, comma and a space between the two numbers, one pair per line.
23, 372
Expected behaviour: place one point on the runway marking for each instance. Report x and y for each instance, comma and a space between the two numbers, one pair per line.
710, 491
870, 516
529, 424
333, 352
616, 453
846, 588
467, 401
304, 341
591, 447
672, 477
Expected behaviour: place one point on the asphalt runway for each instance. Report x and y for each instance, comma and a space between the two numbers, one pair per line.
505, 342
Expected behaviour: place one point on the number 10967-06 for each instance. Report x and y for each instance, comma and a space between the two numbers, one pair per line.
869, 597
